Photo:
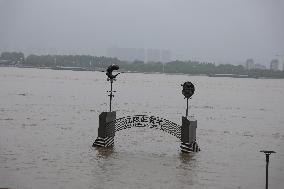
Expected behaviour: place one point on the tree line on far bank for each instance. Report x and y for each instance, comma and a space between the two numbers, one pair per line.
94, 63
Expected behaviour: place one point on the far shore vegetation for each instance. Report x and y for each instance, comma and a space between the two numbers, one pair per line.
94, 63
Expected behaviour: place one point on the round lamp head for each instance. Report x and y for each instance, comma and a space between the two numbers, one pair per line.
187, 89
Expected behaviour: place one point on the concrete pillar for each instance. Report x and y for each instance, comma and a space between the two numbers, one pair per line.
188, 135
106, 130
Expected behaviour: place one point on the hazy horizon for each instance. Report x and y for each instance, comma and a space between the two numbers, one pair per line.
223, 31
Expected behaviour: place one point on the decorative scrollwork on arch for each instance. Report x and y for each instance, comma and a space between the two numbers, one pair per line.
144, 121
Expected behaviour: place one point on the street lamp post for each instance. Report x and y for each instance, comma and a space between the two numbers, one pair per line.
187, 90
111, 78
267, 154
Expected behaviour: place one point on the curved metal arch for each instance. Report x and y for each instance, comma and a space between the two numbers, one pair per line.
143, 121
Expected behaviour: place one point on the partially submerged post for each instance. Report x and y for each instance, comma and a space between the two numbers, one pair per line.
267, 154
189, 124
106, 130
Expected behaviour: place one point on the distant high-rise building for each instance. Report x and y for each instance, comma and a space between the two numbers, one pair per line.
148, 55
165, 56
259, 67
280, 59
153, 55
274, 65
250, 64
127, 54
140, 55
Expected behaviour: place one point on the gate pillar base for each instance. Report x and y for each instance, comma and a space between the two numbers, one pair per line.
104, 142
106, 130
188, 135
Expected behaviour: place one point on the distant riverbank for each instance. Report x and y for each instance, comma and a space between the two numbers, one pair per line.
100, 69
94, 63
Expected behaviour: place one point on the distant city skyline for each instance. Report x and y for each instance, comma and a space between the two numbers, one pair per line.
140, 54
53, 51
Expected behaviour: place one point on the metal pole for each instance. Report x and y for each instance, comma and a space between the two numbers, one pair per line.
267, 162
110, 95
267, 153
186, 107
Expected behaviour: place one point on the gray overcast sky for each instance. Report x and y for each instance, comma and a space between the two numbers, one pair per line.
206, 30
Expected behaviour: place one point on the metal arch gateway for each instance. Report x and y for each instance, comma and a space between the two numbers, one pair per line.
109, 125
144, 121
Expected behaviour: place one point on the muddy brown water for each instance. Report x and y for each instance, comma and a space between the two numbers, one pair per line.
49, 120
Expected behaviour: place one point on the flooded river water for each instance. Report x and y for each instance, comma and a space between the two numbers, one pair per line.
49, 120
